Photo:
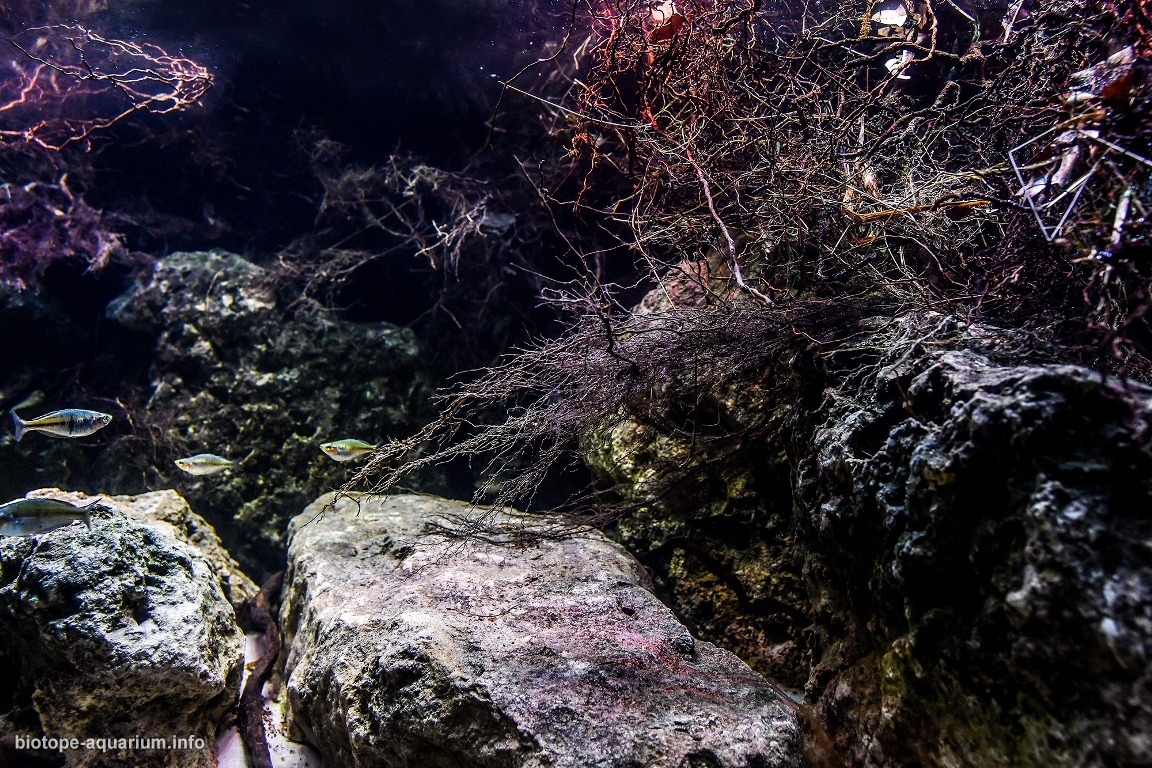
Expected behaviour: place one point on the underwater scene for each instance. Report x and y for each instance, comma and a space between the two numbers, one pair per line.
575, 383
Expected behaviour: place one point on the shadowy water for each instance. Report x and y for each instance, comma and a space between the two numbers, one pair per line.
421, 76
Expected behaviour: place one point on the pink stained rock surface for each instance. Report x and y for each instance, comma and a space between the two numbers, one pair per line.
406, 648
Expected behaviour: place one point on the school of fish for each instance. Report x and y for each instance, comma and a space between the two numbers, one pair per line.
28, 517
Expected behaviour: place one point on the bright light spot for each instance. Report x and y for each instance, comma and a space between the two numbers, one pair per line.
662, 12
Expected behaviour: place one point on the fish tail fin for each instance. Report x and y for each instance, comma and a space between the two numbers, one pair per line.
21, 425
88, 512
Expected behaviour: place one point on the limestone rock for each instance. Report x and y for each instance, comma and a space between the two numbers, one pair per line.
120, 631
945, 543
1001, 511
168, 512
411, 649
240, 371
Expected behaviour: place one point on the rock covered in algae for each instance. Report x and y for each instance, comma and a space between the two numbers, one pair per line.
240, 371
406, 649
948, 548
118, 632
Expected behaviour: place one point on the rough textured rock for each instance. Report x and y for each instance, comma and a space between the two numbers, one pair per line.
1003, 510
948, 546
409, 649
121, 631
240, 371
168, 512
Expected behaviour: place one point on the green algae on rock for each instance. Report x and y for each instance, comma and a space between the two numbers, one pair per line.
238, 369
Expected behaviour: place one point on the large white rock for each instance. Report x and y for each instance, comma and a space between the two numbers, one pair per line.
407, 649
119, 632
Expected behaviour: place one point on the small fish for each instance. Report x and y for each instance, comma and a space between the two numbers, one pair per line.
71, 422
28, 517
347, 450
204, 464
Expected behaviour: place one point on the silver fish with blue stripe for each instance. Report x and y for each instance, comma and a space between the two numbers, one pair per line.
71, 422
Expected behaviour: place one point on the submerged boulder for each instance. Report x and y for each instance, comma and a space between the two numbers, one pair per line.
408, 648
240, 371
168, 512
995, 521
118, 632
946, 544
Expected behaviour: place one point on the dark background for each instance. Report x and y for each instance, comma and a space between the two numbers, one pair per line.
414, 75
237, 171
